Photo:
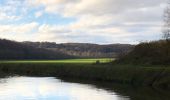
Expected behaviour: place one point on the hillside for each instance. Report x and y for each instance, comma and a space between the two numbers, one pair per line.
85, 49
15, 50
155, 52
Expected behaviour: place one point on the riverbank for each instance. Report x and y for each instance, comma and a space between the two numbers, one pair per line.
125, 74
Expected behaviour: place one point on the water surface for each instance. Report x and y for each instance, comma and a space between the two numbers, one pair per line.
49, 88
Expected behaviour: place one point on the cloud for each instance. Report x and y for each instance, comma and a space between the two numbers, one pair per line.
12, 10
4, 16
20, 32
69, 33
104, 18
53, 33
38, 14
22, 28
97, 21
79, 8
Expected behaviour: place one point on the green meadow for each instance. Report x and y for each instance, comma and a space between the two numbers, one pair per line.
86, 61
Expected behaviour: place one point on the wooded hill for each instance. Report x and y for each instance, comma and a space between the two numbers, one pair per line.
85, 50
16, 50
51, 50
155, 52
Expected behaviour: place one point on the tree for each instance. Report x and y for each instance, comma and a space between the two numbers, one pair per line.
166, 27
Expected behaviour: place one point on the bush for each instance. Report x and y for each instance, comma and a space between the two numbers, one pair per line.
156, 52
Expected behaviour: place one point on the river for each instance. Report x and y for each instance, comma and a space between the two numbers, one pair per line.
50, 88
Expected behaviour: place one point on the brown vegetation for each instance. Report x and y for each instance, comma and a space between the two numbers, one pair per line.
156, 52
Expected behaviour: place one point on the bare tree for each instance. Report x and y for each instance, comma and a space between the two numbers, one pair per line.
166, 27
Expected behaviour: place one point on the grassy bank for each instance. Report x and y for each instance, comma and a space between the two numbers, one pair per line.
125, 74
80, 61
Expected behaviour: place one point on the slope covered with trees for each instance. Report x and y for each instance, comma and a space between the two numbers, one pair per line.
156, 52
85, 49
16, 50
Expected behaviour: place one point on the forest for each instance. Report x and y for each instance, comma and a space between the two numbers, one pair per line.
13, 50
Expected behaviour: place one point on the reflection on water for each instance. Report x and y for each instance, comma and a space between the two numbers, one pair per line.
48, 88
129, 92
28, 88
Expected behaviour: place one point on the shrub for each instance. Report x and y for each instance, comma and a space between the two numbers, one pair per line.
155, 52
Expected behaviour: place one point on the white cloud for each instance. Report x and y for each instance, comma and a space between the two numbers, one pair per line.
79, 8
96, 20
53, 33
22, 28
38, 14
20, 32
104, 18
12, 10
71, 33
4, 16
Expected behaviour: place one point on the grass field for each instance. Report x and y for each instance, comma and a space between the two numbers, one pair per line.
87, 61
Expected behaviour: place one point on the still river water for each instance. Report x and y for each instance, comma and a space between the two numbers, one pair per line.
49, 88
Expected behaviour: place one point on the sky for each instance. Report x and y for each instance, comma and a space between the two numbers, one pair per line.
82, 21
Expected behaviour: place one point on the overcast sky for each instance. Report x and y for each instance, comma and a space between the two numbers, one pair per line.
85, 21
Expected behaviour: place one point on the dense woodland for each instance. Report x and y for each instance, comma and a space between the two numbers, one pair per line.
49, 50
85, 49
15, 50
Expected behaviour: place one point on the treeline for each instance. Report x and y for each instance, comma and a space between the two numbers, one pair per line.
155, 52
50, 50
85, 49
16, 50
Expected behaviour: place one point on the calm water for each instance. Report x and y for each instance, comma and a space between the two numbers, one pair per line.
49, 88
